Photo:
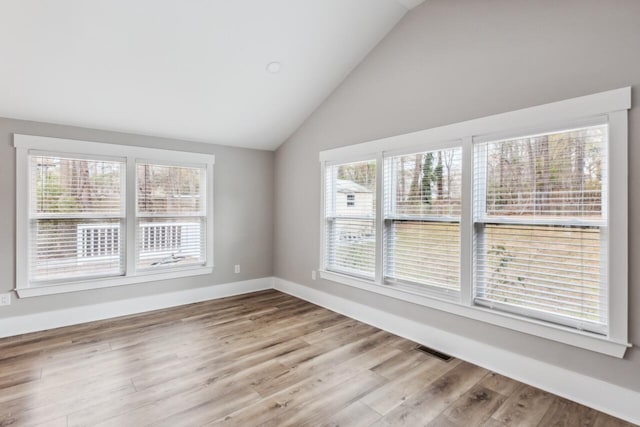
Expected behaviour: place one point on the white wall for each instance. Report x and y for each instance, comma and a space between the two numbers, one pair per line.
243, 218
449, 61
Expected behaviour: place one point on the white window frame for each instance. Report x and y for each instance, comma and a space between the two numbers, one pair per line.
613, 106
27, 144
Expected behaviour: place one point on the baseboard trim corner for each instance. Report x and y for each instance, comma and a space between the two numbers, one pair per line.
603, 396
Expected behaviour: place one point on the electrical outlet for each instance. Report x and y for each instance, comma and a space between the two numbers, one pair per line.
313, 275
5, 299
236, 269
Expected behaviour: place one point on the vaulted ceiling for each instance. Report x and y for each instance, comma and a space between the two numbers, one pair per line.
187, 69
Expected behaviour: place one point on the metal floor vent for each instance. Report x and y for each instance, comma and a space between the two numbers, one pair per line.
435, 353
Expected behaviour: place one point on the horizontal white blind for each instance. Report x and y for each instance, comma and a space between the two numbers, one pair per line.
76, 218
540, 219
350, 206
422, 218
171, 215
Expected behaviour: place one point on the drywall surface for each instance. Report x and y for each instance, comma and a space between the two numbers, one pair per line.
449, 61
243, 217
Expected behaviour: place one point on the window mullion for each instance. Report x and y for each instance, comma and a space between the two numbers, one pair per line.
466, 223
379, 226
478, 200
389, 193
131, 221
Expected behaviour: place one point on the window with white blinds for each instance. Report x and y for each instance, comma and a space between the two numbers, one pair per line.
519, 219
76, 216
540, 226
422, 219
171, 215
350, 214
93, 215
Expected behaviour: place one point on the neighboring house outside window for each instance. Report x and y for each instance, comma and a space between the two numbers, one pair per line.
356, 197
350, 231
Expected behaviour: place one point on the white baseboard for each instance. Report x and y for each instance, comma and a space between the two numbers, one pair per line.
600, 395
17, 325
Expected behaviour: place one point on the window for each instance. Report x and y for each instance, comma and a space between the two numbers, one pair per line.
103, 215
350, 229
519, 219
540, 226
422, 219
76, 217
171, 215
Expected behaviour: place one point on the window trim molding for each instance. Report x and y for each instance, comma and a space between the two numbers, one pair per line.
611, 104
24, 144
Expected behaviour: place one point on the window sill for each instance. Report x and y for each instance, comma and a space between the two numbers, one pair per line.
61, 288
573, 337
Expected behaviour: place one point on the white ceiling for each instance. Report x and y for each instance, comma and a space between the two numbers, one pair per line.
188, 69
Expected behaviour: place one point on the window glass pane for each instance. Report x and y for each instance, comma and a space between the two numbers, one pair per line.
75, 248
555, 269
350, 206
425, 184
167, 190
164, 242
353, 182
553, 175
76, 225
426, 253
63, 186
352, 245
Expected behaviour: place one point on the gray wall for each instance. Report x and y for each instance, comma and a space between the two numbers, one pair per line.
454, 60
243, 216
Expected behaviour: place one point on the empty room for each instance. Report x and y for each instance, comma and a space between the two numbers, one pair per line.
319, 213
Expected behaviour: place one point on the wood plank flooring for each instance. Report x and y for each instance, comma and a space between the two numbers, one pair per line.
263, 359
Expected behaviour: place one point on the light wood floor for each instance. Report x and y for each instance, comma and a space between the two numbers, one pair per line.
259, 359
